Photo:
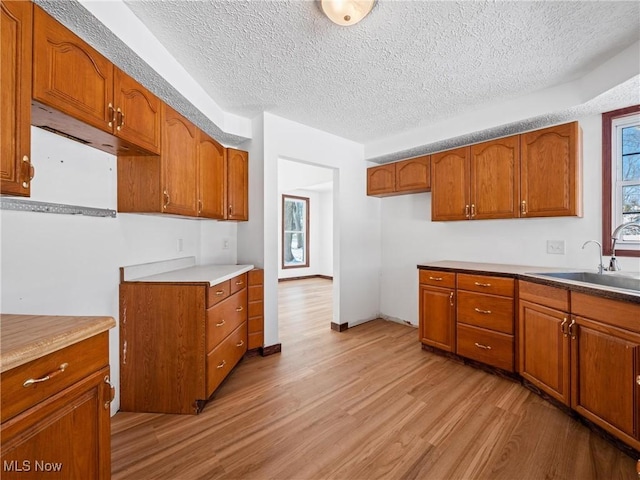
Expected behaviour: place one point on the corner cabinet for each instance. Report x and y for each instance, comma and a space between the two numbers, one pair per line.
16, 170
178, 342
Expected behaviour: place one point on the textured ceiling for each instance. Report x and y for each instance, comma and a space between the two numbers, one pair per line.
408, 65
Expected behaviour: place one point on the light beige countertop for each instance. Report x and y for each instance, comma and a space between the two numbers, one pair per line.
24, 338
530, 273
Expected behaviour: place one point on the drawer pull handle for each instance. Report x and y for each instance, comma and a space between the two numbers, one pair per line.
570, 329
436, 279
220, 324
484, 347
239, 309
479, 284
222, 364
638, 379
32, 381
562, 329
486, 312
240, 344
220, 292
240, 283
451, 299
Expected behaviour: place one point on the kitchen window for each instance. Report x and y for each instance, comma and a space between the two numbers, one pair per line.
295, 232
621, 178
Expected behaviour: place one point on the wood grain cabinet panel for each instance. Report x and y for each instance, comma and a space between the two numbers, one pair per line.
551, 170
413, 175
79, 93
495, 174
168, 333
179, 164
450, 177
16, 170
61, 419
486, 346
437, 324
255, 324
487, 311
544, 348
212, 174
237, 185
381, 181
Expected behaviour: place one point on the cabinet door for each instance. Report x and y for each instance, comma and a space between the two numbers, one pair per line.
237, 184
605, 374
437, 317
544, 349
212, 173
551, 172
381, 180
137, 113
413, 175
179, 164
69, 75
66, 436
450, 172
495, 179
15, 106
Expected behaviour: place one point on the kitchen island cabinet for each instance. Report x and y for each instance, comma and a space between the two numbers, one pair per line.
56, 397
180, 336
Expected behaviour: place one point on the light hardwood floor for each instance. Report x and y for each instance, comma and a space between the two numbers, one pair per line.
362, 404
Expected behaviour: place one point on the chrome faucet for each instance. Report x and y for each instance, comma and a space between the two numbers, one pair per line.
601, 266
615, 236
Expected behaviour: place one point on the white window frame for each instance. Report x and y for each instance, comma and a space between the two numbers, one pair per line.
627, 241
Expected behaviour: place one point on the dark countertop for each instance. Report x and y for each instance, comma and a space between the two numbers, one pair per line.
528, 273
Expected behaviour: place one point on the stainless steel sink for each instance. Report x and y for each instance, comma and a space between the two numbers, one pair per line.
615, 281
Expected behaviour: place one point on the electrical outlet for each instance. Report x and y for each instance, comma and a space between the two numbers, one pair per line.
555, 247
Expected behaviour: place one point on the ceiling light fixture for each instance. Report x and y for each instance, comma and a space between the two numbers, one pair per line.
346, 12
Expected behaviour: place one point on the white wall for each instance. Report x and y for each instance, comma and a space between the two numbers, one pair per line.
410, 238
356, 247
320, 235
68, 265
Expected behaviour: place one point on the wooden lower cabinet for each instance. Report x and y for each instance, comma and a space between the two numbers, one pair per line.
256, 309
544, 339
437, 310
59, 428
178, 342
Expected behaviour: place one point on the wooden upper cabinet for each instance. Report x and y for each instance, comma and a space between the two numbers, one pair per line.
15, 103
68, 74
237, 184
413, 175
495, 174
381, 181
450, 173
551, 163
407, 176
179, 164
79, 93
212, 173
137, 113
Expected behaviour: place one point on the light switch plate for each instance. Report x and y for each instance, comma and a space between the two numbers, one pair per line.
555, 247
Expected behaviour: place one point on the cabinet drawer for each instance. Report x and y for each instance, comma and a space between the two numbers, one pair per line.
238, 283
79, 360
485, 346
224, 318
488, 311
218, 292
224, 357
486, 284
438, 278
612, 312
